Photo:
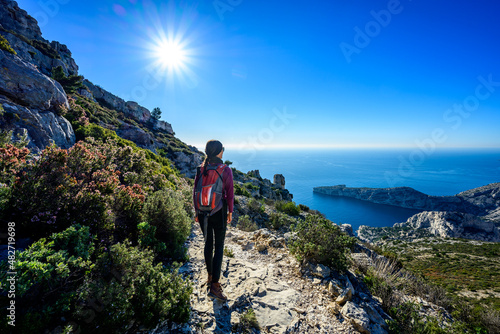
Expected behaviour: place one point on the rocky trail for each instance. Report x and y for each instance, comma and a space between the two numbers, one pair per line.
262, 276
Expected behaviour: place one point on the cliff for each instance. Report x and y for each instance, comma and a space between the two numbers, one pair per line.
479, 201
472, 214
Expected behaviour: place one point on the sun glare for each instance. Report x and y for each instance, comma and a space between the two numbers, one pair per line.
170, 54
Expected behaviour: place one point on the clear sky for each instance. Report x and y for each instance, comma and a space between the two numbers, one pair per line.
340, 73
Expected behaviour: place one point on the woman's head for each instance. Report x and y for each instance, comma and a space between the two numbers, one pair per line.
213, 148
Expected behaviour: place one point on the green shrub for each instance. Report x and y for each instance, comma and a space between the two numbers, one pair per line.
147, 238
5, 45
304, 207
256, 206
406, 319
251, 186
125, 288
70, 83
228, 252
239, 190
248, 322
164, 209
322, 241
287, 207
246, 224
278, 220
50, 270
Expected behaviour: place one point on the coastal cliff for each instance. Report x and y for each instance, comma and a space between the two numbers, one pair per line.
479, 201
472, 214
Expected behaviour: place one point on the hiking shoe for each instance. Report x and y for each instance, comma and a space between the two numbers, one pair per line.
216, 292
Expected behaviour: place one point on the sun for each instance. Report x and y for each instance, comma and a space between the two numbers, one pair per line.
170, 54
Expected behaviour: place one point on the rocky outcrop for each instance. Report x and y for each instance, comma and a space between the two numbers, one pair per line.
32, 103
24, 35
262, 187
129, 109
452, 225
479, 201
187, 163
442, 224
279, 181
14, 18
42, 127
24, 84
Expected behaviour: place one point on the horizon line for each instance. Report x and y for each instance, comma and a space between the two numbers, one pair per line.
320, 146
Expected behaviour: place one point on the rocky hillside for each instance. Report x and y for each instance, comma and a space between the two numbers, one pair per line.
36, 105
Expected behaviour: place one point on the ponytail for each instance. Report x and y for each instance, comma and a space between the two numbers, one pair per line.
212, 148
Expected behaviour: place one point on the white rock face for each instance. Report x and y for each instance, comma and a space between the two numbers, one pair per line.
453, 225
42, 127
21, 82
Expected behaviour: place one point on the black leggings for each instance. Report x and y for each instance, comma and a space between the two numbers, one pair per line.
216, 225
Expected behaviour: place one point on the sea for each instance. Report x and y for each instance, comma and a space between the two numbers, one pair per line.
439, 172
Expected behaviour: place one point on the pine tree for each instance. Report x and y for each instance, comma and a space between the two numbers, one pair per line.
156, 114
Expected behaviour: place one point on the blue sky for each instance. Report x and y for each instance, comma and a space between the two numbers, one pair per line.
259, 74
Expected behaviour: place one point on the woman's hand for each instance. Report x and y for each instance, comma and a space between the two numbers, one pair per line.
229, 217
196, 218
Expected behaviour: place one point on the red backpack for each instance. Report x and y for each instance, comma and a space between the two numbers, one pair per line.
208, 191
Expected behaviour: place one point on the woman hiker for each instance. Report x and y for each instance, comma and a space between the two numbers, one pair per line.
214, 225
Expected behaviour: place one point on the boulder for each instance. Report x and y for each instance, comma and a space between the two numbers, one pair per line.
23, 84
320, 270
357, 315
347, 229
42, 127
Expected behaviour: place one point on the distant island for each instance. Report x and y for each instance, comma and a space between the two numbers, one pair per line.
471, 214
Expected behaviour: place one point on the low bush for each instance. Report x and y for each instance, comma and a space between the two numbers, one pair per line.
164, 209
251, 186
278, 220
322, 241
256, 206
246, 224
239, 190
125, 291
248, 322
288, 207
5, 45
304, 207
147, 239
50, 270
70, 83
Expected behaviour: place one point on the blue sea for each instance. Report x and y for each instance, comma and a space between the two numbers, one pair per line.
439, 172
